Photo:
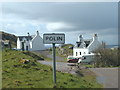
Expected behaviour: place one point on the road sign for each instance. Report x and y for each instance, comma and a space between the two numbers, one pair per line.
57, 38
54, 38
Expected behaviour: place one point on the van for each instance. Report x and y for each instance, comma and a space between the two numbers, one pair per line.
86, 59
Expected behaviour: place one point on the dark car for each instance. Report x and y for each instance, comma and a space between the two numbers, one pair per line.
72, 59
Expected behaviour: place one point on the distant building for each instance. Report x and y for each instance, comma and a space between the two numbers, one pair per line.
115, 47
30, 43
86, 46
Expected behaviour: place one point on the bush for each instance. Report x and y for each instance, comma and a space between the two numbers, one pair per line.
107, 57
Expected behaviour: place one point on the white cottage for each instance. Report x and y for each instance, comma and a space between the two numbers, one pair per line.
85, 47
30, 43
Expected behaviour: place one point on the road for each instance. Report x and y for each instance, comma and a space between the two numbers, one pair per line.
61, 66
107, 76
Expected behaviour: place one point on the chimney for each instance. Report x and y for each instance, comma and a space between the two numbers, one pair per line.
28, 34
80, 38
95, 37
37, 32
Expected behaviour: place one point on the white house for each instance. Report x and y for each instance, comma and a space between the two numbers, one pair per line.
30, 43
86, 46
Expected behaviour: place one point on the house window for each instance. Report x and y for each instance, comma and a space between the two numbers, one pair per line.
76, 53
80, 53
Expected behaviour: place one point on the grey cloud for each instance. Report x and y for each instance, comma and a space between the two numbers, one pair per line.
81, 15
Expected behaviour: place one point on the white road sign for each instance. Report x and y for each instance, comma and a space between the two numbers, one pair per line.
57, 38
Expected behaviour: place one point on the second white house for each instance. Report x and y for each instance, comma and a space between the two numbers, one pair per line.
86, 46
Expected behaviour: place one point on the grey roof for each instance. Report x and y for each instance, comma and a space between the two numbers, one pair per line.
27, 37
86, 41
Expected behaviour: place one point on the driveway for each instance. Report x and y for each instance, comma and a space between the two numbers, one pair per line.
107, 76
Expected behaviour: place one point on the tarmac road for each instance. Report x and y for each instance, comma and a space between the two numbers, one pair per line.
61, 66
107, 76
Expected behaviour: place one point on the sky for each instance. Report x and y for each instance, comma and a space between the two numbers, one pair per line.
71, 18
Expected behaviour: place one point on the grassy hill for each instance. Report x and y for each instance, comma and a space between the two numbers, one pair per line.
11, 37
36, 75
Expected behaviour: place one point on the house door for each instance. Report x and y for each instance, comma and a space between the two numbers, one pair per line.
23, 46
26, 48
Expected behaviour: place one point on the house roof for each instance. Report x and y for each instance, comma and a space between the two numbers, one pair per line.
86, 41
27, 37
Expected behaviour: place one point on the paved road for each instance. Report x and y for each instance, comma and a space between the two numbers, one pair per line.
107, 76
61, 66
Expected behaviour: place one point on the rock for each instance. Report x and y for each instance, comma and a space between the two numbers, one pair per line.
24, 61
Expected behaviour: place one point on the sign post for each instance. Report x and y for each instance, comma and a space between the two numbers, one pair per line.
54, 65
54, 38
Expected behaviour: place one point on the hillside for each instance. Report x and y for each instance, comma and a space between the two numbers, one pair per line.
35, 75
11, 37
64, 50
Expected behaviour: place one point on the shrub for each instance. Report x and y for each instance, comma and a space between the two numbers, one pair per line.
106, 57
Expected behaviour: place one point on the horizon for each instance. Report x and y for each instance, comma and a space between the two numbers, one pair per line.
49, 45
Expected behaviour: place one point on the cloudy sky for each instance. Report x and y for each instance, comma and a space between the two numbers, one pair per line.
71, 18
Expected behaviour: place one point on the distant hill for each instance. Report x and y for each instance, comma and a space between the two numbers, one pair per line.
12, 38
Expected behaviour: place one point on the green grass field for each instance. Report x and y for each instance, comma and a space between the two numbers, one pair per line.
36, 75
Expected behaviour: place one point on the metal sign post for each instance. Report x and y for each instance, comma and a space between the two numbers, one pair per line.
54, 65
54, 38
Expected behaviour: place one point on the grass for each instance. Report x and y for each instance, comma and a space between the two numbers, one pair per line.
36, 75
0, 68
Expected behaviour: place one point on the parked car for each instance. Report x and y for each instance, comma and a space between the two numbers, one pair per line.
72, 59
